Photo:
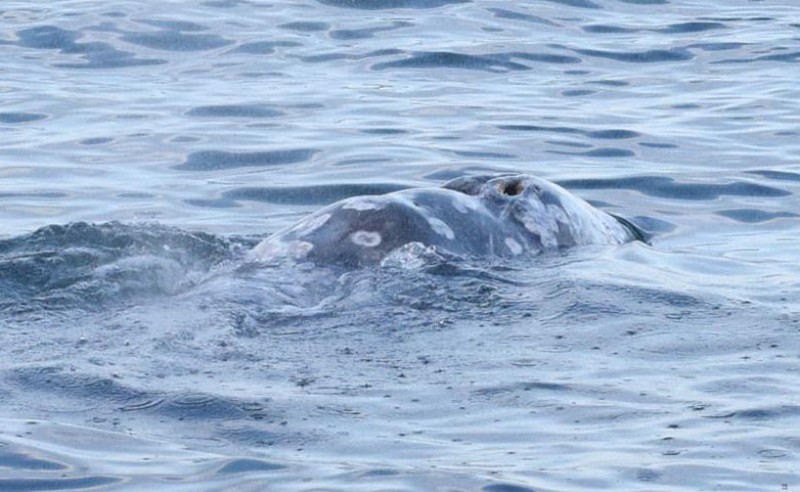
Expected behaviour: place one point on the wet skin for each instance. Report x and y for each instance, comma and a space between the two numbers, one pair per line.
472, 216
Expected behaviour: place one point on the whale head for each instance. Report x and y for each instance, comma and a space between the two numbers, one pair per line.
547, 214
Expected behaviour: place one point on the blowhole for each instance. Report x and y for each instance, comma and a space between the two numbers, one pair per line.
511, 188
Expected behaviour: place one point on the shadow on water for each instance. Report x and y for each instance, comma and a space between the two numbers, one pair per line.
96, 54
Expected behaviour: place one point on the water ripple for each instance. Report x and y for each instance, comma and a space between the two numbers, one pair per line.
212, 160
610, 134
751, 216
777, 175
367, 32
234, 111
501, 13
793, 57
299, 195
648, 56
96, 54
264, 47
176, 41
173, 25
689, 27
506, 487
305, 26
678, 28
583, 4
446, 59
390, 4
247, 465
361, 380
666, 187
26, 462
15, 118
31, 484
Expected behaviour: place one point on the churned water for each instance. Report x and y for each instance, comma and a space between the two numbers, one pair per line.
146, 146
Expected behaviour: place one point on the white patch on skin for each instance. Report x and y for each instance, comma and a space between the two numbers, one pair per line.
368, 239
310, 225
584, 223
514, 246
464, 204
300, 249
540, 223
362, 203
440, 227
269, 250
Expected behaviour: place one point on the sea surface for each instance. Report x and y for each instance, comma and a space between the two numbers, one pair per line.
145, 147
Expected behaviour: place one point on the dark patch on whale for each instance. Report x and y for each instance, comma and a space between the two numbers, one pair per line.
474, 216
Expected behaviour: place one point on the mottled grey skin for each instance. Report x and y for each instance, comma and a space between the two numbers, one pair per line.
474, 216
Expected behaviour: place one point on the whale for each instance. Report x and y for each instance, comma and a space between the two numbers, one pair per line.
472, 216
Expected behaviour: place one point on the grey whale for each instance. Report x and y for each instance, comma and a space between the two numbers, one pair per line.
505, 216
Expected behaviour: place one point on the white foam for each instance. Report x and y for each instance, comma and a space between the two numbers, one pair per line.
270, 249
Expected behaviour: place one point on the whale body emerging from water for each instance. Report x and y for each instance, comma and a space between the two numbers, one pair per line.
474, 216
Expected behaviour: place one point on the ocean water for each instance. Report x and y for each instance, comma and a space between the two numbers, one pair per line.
146, 146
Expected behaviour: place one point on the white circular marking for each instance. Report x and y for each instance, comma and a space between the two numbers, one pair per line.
441, 228
368, 239
300, 249
513, 245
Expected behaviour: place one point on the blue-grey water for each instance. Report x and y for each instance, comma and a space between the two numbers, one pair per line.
146, 146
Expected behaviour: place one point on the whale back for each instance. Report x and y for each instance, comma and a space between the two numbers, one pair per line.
363, 230
474, 216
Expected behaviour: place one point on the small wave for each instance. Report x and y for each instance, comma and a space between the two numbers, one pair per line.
248, 465
583, 4
609, 134
648, 56
446, 59
305, 26
28, 484
176, 41
263, 47
96, 54
87, 265
16, 118
390, 4
213, 160
751, 216
234, 111
501, 13
297, 195
662, 186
